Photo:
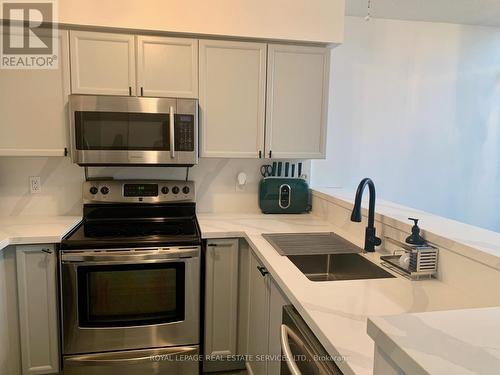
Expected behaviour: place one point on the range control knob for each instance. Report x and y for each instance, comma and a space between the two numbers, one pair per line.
104, 190
164, 190
175, 190
186, 190
93, 190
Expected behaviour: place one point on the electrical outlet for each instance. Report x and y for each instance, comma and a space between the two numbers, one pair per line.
241, 181
35, 184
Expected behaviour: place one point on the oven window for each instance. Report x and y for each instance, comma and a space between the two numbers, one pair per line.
122, 131
130, 295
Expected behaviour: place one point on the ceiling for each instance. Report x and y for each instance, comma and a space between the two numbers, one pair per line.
472, 12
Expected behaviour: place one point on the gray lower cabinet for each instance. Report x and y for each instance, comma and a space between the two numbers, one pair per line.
276, 302
10, 353
261, 304
243, 308
258, 321
221, 303
37, 301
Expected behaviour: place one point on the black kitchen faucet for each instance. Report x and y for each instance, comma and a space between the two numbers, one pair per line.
371, 240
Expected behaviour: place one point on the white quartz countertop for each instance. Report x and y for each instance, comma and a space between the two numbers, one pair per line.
459, 342
35, 229
336, 311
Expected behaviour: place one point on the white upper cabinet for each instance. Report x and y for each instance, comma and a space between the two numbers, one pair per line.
232, 98
102, 63
33, 106
167, 67
297, 101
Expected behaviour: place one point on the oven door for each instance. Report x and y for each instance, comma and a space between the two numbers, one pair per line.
129, 299
110, 130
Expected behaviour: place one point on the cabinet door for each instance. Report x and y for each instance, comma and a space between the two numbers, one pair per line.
36, 283
232, 98
42, 129
10, 355
258, 321
167, 67
297, 101
276, 302
221, 297
102, 63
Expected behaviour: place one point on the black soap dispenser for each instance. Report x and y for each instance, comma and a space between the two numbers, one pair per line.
415, 238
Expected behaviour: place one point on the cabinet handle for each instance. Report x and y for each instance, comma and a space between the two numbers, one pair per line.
142, 91
260, 154
263, 270
270, 154
219, 245
130, 91
47, 251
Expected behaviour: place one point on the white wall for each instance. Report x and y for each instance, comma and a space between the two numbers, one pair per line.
416, 106
304, 20
61, 194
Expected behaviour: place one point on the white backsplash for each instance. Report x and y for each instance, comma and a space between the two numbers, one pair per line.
61, 180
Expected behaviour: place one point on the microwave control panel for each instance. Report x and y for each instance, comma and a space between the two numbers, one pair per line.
184, 132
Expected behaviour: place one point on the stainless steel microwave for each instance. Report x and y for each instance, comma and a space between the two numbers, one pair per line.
122, 130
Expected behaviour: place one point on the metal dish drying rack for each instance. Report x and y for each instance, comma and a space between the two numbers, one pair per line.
423, 260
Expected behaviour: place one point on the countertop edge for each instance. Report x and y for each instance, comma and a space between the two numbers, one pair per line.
30, 239
432, 342
390, 348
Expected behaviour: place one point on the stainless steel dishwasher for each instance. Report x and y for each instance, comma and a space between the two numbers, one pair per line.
302, 352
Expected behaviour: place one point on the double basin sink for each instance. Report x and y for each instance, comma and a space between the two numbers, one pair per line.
325, 256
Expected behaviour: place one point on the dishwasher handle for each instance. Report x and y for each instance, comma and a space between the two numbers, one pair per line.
286, 334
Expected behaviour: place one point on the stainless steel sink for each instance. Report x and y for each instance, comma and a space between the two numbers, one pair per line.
329, 267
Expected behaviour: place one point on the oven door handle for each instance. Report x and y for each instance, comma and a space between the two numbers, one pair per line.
118, 257
124, 358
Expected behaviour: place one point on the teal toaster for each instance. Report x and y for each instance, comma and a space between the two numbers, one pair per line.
284, 196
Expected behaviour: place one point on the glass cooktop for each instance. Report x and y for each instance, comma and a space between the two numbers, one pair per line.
135, 225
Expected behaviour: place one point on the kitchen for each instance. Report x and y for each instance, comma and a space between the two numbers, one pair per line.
154, 129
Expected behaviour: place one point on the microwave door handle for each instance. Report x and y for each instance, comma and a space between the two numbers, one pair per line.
172, 132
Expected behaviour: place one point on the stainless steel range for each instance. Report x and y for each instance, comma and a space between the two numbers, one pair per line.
130, 281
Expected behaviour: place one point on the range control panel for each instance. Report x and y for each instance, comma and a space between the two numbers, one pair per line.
138, 191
